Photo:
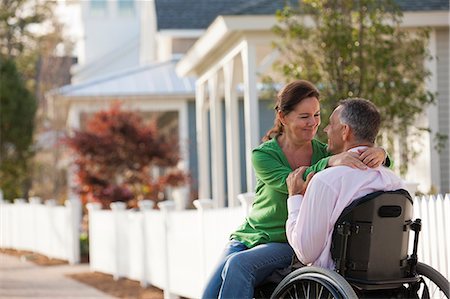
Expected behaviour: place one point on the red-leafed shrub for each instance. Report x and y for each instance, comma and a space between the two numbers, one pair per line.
115, 155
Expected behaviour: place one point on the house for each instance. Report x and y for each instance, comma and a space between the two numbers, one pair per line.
129, 50
235, 49
218, 48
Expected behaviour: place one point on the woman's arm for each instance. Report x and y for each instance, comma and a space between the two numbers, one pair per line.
370, 157
270, 170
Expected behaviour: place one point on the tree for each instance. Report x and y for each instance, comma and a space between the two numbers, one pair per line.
115, 156
356, 48
30, 35
17, 109
19, 37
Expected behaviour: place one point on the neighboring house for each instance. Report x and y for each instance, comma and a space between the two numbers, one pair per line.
130, 49
110, 38
128, 53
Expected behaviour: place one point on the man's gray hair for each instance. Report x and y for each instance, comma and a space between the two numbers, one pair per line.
362, 116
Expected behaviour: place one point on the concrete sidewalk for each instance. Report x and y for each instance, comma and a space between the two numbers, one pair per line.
23, 279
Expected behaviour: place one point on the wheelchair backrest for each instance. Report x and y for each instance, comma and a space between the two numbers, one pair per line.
370, 238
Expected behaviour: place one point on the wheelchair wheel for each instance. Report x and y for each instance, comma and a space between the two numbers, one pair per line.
313, 283
434, 284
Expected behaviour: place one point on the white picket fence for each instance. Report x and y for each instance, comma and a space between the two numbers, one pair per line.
176, 250
170, 249
48, 229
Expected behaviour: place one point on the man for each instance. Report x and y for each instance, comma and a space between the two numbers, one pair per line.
353, 125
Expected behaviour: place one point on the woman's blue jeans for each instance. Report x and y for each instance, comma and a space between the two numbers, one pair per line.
241, 269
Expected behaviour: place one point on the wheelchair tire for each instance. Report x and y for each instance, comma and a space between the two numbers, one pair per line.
438, 285
314, 283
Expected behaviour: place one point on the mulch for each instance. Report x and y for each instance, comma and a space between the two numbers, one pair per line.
36, 258
122, 288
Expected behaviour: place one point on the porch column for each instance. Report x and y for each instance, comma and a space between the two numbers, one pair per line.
183, 131
232, 134
204, 190
433, 116
217, 154
251, 111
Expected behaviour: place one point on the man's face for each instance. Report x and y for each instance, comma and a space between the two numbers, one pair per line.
334, 131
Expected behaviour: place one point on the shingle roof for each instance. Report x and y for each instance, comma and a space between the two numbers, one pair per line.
154, 79
423, 5
198, 14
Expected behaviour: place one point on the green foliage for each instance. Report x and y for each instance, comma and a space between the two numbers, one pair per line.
115, 156
17, 110
84, 244
356, 48
18, 40
29, 35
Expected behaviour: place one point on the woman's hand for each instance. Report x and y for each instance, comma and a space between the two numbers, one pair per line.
350, 159
295, 183
372, 156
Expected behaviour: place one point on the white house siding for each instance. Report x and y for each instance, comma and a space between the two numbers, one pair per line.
110, 38
443, 102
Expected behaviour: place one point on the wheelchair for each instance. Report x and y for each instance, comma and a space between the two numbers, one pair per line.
370, 250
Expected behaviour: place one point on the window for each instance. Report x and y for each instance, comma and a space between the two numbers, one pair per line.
125, 7
98, 7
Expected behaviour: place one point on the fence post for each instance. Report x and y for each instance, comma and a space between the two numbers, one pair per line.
92, 207
442, 241
73, 245
246, 200
166, 207
36, 226
50, 204
35, 200
18, 224
3, 234
446, 216
145, 205
201, 205
117, 207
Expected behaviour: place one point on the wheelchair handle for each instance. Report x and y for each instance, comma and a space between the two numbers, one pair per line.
416, 226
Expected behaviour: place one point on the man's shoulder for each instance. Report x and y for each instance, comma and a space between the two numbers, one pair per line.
335, 174
332, 174
335, 171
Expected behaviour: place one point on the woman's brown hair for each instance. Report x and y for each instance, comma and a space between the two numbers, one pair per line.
288, 97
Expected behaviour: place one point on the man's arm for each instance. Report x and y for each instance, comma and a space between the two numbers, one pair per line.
308, 223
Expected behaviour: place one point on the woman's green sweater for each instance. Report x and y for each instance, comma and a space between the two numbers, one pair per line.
267, 219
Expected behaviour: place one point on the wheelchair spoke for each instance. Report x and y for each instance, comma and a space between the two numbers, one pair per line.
311, 290
290, 295
314, 285
320, 292
305, 292
296, 292
430, 290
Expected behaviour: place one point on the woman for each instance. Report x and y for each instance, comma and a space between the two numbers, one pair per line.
259, 246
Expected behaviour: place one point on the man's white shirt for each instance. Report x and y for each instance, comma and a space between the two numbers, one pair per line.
311, 217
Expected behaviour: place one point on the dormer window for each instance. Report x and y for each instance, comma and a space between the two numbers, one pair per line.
125, 7
98, 7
